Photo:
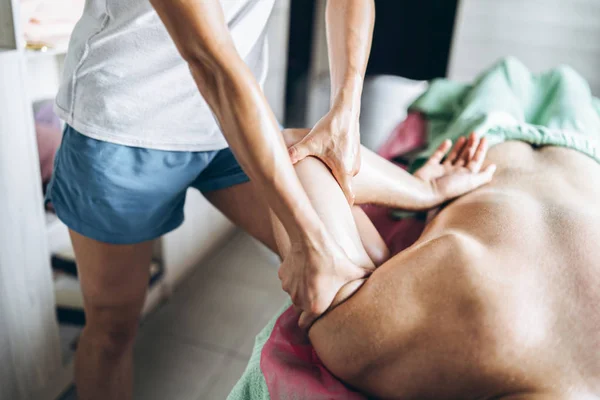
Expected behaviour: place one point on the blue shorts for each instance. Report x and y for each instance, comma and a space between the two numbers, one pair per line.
123, 195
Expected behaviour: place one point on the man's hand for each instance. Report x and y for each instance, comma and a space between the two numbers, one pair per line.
335, 140
460, 172
313, 273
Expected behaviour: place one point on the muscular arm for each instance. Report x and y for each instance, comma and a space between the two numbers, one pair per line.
316, 267
202, 37
335, 139
349, 35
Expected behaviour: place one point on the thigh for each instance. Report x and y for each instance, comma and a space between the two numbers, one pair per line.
246, 208
114, 280
227, 187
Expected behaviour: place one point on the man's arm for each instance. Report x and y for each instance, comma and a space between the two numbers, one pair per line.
200, 33
335, 139
349, 37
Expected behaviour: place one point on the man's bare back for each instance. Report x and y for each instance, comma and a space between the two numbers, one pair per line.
499, 298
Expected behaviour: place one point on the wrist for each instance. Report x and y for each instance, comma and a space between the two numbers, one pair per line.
432, 195
423, 195
345, 112
348, 92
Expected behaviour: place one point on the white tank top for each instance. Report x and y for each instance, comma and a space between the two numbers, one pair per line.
124, 81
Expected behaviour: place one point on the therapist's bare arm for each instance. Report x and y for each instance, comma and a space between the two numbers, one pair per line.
317, 267
335, 139
349, 36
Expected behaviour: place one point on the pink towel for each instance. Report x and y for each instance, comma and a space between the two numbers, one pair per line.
291, 368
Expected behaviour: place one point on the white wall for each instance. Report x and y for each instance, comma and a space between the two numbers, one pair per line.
541, 33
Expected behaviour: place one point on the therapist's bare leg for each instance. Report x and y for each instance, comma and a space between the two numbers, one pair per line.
113, 280
246, 208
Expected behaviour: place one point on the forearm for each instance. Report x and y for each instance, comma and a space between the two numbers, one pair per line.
238, 104
254, 137
383, 183
349, 35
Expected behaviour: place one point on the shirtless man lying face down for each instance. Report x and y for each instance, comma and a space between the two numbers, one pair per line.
498, 299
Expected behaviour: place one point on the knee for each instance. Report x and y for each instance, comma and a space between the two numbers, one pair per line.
111, 338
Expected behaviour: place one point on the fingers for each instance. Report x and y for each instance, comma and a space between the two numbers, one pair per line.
301, 150
325, 295
343, 294
467, 151
441, 151
345, 182
456, 151
355, 274
475, 163
458, 184
306, 320
356, 165
488, 172
481, 178
343, 178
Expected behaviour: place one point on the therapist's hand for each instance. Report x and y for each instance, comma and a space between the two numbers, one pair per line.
335, 140
313, 273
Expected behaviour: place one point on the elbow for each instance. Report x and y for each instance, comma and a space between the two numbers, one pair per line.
212, 74
215, 71
209, 79
198, 58
203, 56
190, 55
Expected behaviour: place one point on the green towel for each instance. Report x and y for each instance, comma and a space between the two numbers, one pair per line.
508, 102
252, 384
